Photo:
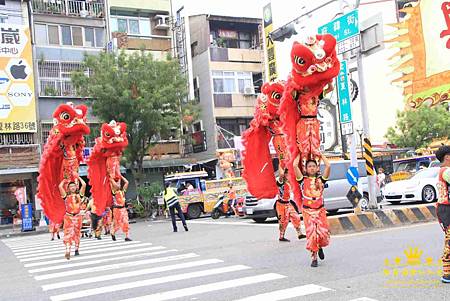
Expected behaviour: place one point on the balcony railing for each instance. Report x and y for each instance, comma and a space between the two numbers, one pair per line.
14, 156
85, 9
56, 87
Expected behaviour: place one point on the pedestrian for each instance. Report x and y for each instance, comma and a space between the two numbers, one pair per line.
96, 220
72, 219
120, 213
286, 209
314, 214
171, 202
381, 178
443, 207
54, 228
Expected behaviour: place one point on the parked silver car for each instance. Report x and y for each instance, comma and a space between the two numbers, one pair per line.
335, 194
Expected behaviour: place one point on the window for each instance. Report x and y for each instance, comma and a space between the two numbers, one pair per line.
3, 19
77, 35
89, 39
100, 37
131, 25
232, 82
53, 35
70, 35
40, 31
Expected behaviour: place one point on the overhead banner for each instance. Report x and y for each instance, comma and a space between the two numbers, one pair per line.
269, 45
423, 42
17, 97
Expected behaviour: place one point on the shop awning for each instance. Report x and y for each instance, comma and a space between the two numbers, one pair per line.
13, 171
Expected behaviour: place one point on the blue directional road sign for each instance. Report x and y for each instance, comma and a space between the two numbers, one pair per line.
352, 175
343, 27
345, 109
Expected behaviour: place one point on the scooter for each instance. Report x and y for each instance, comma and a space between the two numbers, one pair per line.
223, 208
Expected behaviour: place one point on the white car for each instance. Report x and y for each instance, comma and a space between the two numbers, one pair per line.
421, 187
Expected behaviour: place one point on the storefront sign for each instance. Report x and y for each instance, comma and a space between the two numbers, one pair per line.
271, 62
199, 142
228, 34
17, 97
27, 217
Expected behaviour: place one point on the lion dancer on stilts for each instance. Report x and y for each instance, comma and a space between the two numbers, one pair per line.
108, 185
258, 169
314, 66
59, 181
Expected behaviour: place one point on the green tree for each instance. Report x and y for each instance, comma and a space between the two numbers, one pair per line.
417, 128
144, 93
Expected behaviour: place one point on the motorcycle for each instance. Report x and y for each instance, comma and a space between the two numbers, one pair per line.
223, 208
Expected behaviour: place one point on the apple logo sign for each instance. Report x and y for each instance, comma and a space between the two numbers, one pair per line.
18, 71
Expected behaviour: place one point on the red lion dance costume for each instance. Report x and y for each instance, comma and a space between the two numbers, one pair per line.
61, 157
257, 161
104, 163
314, 66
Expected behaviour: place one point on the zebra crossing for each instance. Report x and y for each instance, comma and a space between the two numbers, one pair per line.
131, 271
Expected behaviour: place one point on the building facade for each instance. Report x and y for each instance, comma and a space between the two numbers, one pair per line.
225, 69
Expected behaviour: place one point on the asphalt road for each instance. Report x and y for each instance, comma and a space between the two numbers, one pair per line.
225, 259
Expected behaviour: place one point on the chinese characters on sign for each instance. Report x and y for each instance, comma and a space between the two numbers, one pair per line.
17, 97
446, 32
270, 47
346, 31
345, 109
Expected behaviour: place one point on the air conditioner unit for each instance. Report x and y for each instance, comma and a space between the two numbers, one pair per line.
162, 22
248, 91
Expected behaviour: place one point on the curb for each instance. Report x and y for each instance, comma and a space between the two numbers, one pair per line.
382, 218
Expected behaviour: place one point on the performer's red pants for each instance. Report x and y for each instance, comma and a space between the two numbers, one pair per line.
317, 230
72, 229
285, 213
120, 220
308, 138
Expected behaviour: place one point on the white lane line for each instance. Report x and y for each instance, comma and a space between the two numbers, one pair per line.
146, 282
363, 299
205, 288
284, 294
104, 245
115, 266
36, 250
234, 223
129, 245
70, 265
109, 277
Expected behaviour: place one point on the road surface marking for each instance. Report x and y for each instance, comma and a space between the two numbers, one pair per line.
289, 293
363, 299
147, 282
129, 245
233, 223
109, 257
25, 247
206, 288
115, 266
105, 245
108, 277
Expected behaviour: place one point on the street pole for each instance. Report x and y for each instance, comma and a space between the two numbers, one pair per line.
373, 204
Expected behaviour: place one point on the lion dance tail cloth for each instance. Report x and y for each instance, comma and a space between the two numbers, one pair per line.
61, 156
257, 161
314, 66
104, 163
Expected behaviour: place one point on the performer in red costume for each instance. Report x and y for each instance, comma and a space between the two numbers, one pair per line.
286, 209
61, 156
104, 163
314, 66
257, 161
54, 228
120, 213
72, 219
313, 210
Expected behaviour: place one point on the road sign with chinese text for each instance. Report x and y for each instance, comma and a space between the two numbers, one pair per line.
345, 109
269, 45
343, 27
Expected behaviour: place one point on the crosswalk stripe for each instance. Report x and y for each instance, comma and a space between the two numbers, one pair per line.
49, 265
284, 294
21, 239
115, 266
363, 299
130, 245
45, 244
105, 246
147, 282
61, 246
206, 288
71, 265
109, 277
